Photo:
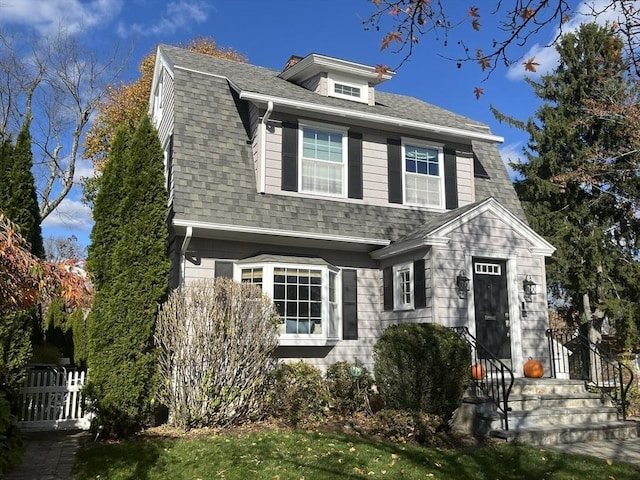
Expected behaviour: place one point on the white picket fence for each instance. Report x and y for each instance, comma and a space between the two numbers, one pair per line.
51, 399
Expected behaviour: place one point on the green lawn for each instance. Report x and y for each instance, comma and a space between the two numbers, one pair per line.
297, 455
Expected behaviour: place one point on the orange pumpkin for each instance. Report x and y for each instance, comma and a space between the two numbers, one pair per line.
533, 368
478, 372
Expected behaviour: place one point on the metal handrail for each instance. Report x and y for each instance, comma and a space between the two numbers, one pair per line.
498, 378
572, 354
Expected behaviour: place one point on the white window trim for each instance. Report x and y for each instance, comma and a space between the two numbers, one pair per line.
431, 145
349, 82
303, 339
345, 153
398, 297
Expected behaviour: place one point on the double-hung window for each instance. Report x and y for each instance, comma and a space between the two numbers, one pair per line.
403, 286
423, 175
323, 153
306, 296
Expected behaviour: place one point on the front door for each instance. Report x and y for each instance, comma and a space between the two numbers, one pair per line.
492, 306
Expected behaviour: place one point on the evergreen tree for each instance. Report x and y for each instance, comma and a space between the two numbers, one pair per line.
18, 199
595, 268
6, 152
131, 230
106, 213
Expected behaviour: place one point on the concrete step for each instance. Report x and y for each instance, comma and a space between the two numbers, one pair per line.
547, 386
584, 399
555, 435
561, 416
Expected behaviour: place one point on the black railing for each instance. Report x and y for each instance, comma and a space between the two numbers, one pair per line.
496, 380
574, 356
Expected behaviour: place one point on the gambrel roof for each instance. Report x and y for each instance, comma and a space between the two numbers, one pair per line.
214, 179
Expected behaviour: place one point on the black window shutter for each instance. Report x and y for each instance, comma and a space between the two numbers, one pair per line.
289, 156
450, 179
387, 288
420, 295
355, 165
349, 304
394, 170
224, 269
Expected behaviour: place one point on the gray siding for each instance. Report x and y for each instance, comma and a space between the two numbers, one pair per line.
374, 169
200, 264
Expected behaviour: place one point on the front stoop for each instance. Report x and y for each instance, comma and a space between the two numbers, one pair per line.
545, 412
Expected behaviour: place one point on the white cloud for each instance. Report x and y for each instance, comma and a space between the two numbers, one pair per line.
70, 215
547, 57
84, 169
177, 15
46, 16
512, 153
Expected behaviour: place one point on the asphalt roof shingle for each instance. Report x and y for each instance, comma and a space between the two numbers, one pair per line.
213, 159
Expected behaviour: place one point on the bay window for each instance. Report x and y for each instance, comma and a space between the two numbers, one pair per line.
306, 296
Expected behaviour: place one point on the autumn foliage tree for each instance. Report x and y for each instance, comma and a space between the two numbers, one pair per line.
26, 280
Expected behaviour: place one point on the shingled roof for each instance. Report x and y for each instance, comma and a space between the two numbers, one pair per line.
214, 180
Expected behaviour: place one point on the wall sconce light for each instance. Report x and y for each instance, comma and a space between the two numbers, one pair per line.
462, 284
529, 287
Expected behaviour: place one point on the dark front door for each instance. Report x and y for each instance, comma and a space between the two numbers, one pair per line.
492, 306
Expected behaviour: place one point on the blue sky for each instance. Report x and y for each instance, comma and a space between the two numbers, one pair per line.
267, 33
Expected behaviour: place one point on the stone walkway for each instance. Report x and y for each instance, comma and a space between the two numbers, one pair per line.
627, 451
49, 455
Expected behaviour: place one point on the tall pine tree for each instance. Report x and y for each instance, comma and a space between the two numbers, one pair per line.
595, 268
130, 261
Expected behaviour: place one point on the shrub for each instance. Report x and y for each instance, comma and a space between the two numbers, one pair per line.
422, 367
299, 394
403, 426
11, 450
216, 342
348, 394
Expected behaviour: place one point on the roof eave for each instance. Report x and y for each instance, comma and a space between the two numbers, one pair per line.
371, 117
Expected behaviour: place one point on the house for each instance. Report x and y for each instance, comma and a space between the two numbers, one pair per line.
353, 208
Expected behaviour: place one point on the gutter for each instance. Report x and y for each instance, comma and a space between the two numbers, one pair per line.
183, 253
190, 225
372, 117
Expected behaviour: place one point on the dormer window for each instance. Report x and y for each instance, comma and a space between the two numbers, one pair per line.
346, 90
334, 77
341, 88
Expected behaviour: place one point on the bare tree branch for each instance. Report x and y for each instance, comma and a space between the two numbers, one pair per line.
57, 84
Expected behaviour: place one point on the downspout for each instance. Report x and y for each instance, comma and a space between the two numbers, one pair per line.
183, 253
263, 146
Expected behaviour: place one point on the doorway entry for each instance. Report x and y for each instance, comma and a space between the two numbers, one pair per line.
493, 326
